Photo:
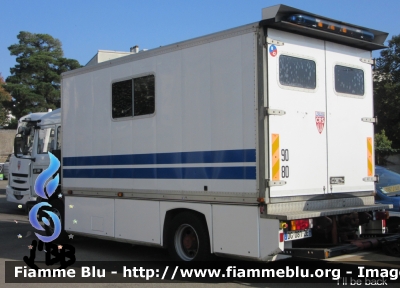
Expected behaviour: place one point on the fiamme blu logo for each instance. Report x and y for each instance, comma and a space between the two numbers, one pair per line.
45, 187
40, 191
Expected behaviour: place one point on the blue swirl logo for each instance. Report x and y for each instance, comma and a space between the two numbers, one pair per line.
51, 187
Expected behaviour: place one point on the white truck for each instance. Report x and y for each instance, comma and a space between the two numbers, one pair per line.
255, 142
38, 133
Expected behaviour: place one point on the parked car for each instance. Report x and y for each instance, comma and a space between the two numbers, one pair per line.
388, 192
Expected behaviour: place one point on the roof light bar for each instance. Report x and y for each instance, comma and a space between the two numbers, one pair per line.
332, 27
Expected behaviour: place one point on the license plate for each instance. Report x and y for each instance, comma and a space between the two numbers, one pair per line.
17, 193
294, 235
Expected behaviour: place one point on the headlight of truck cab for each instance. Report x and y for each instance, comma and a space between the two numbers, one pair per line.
37, 171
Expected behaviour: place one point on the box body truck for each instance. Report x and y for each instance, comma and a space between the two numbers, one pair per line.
244, 143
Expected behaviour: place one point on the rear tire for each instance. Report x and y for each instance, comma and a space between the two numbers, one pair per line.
188, 239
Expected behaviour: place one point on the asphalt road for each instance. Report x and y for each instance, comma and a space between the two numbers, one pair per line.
14, 221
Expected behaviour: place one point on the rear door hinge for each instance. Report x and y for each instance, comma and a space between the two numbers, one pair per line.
269, 183
275, 42
268, 111
371, 179
368, 61
370, 120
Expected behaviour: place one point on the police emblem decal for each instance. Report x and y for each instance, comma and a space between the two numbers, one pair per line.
320, 120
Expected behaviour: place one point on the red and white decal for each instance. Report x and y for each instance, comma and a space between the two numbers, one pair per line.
320, 120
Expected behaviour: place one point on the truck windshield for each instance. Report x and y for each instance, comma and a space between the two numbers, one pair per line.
45, 140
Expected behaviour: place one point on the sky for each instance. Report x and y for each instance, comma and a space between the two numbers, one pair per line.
84, 27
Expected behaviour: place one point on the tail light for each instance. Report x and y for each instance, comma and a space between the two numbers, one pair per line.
301, 224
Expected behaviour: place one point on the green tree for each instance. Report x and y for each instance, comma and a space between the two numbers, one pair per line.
34, 82
387, 91
383, 147
5, 97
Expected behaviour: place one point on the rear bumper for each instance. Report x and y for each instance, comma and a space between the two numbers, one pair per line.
318, 208
352, 247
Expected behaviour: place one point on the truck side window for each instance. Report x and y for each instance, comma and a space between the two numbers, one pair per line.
349, 80
143, 95
297, 72
45, 141
122, 99
58, 138
133, 97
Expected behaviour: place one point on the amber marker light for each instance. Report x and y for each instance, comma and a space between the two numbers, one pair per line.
331, 27
293, 225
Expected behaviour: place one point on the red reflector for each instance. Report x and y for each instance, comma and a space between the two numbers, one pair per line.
302, 224
384, 223
280, 237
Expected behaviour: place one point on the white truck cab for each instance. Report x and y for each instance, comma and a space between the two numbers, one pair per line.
38, 133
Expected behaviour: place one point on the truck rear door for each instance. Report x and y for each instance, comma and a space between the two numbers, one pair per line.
349, 100
297, 139
317, 141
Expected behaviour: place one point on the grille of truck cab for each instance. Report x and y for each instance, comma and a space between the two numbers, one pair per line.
19, 189
19, 175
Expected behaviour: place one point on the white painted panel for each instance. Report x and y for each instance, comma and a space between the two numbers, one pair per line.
101, 129
205, 101
231, 186
347, 134
89, 215
249, 89
236, 230
132, 134
226, 93
214, 97
169, 104
204, 209
297, 130
137, 220
196, 98
269, 238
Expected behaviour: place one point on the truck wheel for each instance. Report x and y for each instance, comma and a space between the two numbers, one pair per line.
188, 239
